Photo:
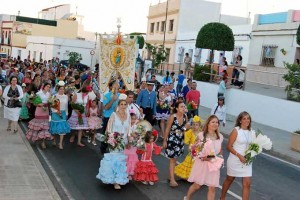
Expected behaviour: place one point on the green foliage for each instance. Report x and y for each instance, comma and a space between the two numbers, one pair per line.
215, 36
298, 35
140, 39
74, 57
199, 73
297, 131
293, 78
157, 53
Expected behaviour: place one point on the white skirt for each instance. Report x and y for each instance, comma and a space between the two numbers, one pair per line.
12, 114
237, 169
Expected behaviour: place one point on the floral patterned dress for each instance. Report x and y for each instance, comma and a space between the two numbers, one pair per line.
175, 144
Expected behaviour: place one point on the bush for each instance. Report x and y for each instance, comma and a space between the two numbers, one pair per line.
201, 73
293, 79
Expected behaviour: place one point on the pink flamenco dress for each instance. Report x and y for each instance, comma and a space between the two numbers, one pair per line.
93, 120
208, 172
145, 168
131, 153
39, 126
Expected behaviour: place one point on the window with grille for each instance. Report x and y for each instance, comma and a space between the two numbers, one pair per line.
268, 55
198, 55
157, 26
236, 51
162, 27
171, 25
152, 28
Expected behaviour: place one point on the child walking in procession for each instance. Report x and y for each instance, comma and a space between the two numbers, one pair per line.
94, 121
24, 115
183, 170
146, 171
130, 151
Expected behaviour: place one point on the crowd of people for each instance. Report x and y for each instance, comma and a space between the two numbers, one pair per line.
58, 100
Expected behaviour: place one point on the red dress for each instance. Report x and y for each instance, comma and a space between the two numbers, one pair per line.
145, 169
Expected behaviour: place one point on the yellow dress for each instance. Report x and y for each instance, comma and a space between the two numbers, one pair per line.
183, 170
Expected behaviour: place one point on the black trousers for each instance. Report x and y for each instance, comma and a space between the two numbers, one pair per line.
148, 115
103, 146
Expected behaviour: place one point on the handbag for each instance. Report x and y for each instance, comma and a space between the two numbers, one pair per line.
12, 103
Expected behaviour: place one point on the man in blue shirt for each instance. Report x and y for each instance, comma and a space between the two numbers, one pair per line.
187, 88
180, 80
110, 102
147, 101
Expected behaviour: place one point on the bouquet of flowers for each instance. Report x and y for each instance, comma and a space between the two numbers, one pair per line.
192, 105
80, 108
114, 141
259, 143
197, 149
164, 104
54, 102
36, 100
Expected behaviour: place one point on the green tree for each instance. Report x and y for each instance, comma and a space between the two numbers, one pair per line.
157, 53
215, 36
298, 35
140, 39
74, 57
293, 79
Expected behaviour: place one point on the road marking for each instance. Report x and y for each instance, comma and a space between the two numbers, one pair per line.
229, 192
279, 159
52, 169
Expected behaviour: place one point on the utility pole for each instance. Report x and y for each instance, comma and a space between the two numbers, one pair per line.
165, 28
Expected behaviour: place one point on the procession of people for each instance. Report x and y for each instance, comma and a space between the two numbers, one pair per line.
59, 100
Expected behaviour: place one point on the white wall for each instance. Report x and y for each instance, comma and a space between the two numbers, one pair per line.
274, 112
187, 40
195, 13
58, 47
283, 39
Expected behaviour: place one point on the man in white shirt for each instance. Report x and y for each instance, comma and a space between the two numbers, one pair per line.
133, 107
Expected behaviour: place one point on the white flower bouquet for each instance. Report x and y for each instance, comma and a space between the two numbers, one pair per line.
259, 143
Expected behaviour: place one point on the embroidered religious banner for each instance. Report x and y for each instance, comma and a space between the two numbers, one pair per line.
117, 58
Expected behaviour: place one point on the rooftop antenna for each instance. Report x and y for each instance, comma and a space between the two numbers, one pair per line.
76, 9
19, 13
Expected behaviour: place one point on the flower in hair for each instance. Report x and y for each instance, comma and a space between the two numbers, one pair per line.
132, 111
122, 97
197, 119
155, 133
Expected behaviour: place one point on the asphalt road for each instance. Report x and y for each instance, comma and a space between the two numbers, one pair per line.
73, 171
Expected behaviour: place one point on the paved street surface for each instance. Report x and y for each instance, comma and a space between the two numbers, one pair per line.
22, 177
73, 172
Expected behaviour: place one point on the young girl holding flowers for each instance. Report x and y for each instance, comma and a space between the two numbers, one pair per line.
130, 151
94, 121
146, 171
183, 170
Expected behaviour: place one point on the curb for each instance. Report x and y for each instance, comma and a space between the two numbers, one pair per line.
39, 166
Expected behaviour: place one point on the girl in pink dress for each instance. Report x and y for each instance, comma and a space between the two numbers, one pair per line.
130, 151
94, 121
206, 168
145, 170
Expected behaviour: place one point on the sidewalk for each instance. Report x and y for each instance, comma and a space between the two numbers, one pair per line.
21, 173
280, 138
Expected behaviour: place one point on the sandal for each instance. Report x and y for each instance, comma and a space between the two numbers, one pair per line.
15, 131
60, 147
72, 139
80, 145
43, 145
173, 184
117, 186
8, 129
